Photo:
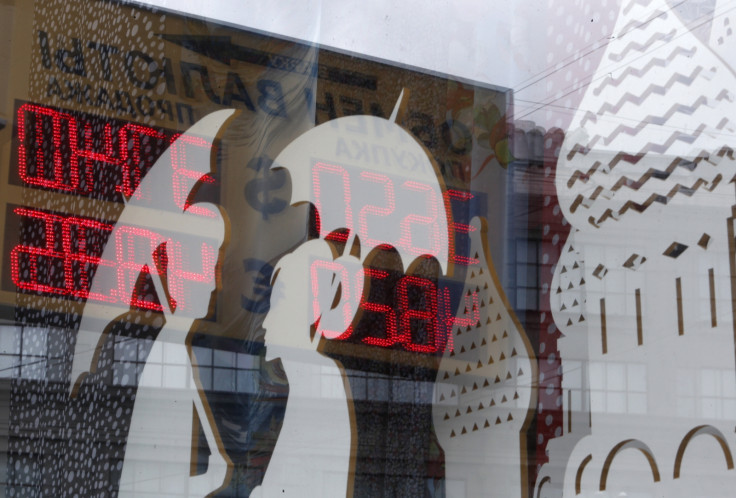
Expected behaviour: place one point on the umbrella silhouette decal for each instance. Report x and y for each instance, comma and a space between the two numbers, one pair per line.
370, 176
163, 193
371, 180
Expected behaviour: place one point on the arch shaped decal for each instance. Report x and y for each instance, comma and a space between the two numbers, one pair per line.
579, 473
697, 431
544, 481
629, 443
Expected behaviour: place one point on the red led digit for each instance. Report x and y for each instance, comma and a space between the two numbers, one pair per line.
319, 300
183, 281
389, 316
78, 261
184, 179
134, 247
428, 220
37, 256
387, 209
59, 120
427, 315
317, 172
131, 161
458, 228
83, 150
470, 317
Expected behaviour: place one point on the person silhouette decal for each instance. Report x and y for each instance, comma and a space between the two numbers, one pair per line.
313, 454
169, 395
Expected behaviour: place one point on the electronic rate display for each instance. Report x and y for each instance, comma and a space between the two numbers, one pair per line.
57, 254
406, 310
71, 153
99, 112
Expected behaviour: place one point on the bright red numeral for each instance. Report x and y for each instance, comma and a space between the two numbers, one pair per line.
389, 316
107, 156
428, 314
460, 228
182, 279
469, 319
183, 178
39, 178
388, 193
134, 247
131, 161
78, 261
30, 281
317, 171
428, 220
318, 299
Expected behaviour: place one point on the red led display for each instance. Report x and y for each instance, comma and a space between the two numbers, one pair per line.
458, 229
82, 155
414, 313
428, 219
421, 320
388, 205
59, 254
184, 179
347, 291
421, 218
318, 173
427, 314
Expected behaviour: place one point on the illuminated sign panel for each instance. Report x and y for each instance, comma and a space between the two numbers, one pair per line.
59, 254
57, 150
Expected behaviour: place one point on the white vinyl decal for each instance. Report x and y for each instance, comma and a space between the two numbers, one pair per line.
642, 292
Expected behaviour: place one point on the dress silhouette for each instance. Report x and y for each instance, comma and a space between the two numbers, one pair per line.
312, 456
158, 455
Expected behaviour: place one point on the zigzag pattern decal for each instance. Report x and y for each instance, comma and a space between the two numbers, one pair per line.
687, 110
640, 208
647, 45
641, 3
685, 137
630, 98
639, 72
636, 24
663, 176
659, 174
583, 177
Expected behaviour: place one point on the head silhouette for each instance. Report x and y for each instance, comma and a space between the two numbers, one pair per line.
313, 294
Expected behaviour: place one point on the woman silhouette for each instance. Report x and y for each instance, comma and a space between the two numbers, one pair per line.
312, 456
156, 461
